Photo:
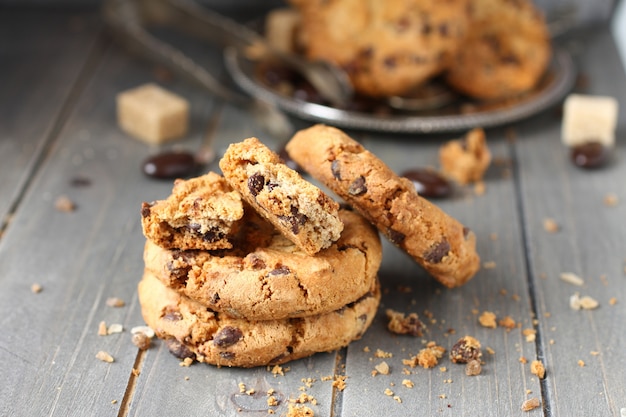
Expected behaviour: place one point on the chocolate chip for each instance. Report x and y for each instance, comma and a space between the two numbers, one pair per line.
171, 165
228, 336
215, 299
80, 182
395, 237
178, 349
444, 30
280, 270
256, 183
358, 186
429, 183
437, 252
145, 209
334, 168
178, 273
590, 155
296, 220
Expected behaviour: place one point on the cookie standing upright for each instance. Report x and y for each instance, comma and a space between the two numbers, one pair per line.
438, 242
201, 213
299, 209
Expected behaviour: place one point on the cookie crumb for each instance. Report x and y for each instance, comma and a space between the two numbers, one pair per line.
612, 301
299, 411
141, 340
610, 200
272, 401
488, 319
465, 349
427, 357
531, 404
104, 357
115, 328
388, 392
581, 363
366, 349
102, 328
550, 225
408, 383
507, 322
113, 401
115, 302
480, 188
278, 370
571, 278
186, 362
530, 335
382, 354
522, 359
242, 387
135, 372
489, 265
36, 288
64, 204
576, 302
397, 398
339, 382
401, 324
473, 368
490, 350
537, 368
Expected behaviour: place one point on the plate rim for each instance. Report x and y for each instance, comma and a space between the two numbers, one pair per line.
557, 88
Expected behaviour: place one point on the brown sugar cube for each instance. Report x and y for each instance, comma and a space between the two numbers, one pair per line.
467, 159
152, 114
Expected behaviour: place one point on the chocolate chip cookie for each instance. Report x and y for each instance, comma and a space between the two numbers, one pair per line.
505, 53
386, 47
438, 242
201, 213
194, 331
273, 279
300, 210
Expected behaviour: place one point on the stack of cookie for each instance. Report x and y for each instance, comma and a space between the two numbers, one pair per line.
257, 267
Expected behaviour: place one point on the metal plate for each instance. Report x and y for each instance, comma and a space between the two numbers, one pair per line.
557, 82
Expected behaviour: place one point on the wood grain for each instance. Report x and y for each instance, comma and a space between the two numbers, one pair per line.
83, 257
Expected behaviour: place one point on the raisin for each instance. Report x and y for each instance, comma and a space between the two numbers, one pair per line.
465, 349
228, 336
256, 183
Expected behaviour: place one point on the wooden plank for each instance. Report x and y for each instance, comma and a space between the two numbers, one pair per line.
590, 243
503, 384
81, 258
41, 56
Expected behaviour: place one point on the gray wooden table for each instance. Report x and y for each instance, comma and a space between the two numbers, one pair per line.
59, 74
